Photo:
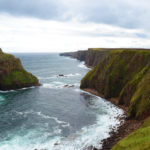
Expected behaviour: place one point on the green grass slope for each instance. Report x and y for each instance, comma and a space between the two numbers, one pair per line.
13, 75
125, 75
138, 140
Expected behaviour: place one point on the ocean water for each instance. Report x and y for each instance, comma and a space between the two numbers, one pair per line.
57, 115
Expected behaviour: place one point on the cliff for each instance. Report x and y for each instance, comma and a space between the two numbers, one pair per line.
125, 76
13, 75
92, 56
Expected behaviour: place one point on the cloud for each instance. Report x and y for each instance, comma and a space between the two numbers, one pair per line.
124, 13
44, 9
36, 35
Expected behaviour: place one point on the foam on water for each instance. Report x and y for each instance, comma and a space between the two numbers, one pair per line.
59, 85
56, 76
93, 134
53, 85
8, 91
87, 136
72, 75
82, 65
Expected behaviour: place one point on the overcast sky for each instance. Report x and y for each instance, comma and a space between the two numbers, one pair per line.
69, 25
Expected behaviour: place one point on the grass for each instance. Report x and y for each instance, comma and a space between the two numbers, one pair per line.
12, 73
139, 140
125, 75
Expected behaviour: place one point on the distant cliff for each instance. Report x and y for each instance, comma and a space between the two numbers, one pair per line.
91, 56
13, 75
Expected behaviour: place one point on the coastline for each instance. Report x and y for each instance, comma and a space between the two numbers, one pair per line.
126, 126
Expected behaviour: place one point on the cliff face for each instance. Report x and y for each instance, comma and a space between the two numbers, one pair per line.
13, 75
125, 75
91, 56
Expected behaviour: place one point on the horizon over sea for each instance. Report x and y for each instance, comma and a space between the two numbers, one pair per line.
56, 115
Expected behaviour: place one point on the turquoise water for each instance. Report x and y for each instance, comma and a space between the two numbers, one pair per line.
56, 115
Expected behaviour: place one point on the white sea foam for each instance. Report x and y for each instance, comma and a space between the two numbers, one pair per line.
7, 91
56, 76
82, 65
17, 89
87, 136
93, 134
59, 85
43, 116
53, 85
73, 74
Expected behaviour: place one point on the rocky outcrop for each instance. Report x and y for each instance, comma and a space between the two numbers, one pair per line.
13, 75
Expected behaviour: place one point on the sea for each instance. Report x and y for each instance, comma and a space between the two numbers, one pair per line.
57, 115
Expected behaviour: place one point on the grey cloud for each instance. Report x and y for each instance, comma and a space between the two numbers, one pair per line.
45, 9
124, 13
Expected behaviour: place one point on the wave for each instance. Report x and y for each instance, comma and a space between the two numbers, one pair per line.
62, 123
87, 136
25, 88
56, 76
93, 134
49, 117
82, 65
72, 75
59, 85
53, 85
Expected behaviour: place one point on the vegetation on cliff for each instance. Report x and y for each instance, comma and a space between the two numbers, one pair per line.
138, 140
13, 75
92, 56
124, 75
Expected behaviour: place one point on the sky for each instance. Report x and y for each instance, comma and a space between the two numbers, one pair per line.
71, 25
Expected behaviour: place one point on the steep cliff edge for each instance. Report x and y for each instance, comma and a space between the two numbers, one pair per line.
92, 56
13, 75
124, 75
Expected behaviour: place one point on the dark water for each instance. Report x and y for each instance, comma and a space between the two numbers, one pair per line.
54, 116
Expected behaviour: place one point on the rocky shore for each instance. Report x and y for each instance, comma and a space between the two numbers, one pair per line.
126, 126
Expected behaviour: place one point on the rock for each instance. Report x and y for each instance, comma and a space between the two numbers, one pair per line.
69, 86
61, 75
57, 144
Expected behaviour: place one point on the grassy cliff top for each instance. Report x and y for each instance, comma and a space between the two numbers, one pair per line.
118, 49
12, 73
